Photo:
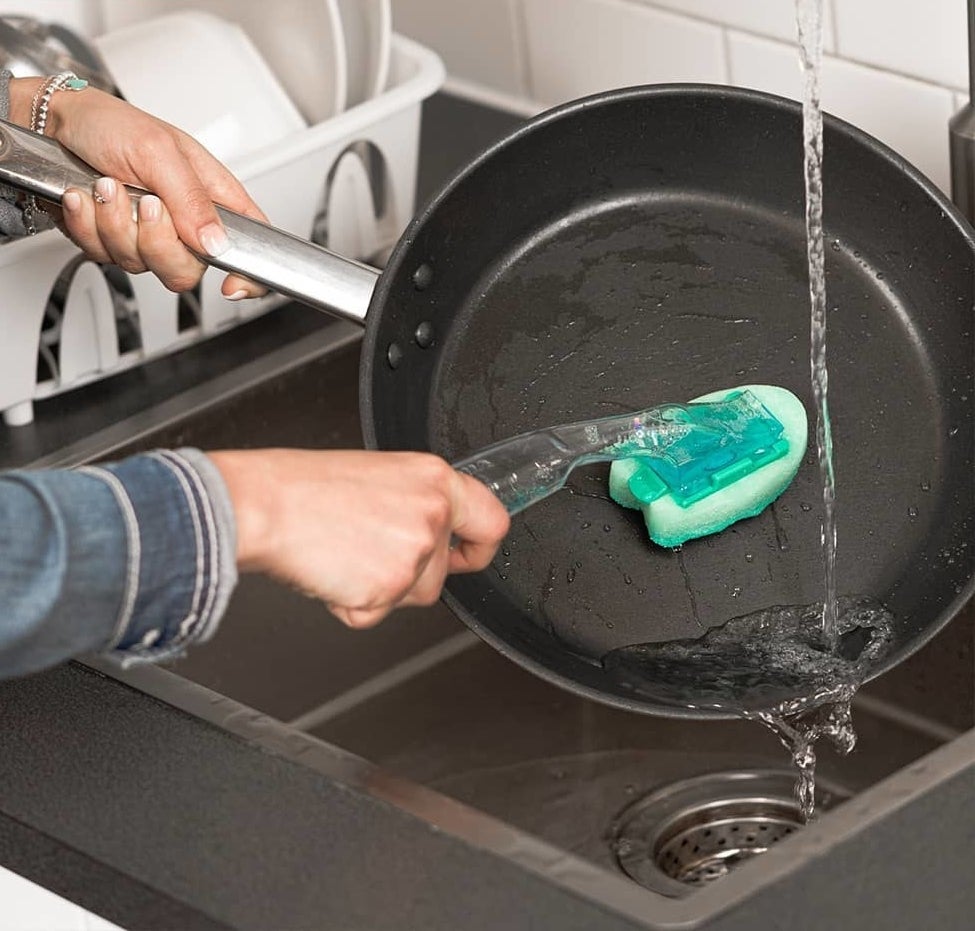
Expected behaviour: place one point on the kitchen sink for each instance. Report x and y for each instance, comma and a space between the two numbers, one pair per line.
431, 726
429, 704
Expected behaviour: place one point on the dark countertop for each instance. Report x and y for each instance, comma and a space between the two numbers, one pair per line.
158, 804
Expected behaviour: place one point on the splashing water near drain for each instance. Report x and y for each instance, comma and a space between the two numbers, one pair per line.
772, 666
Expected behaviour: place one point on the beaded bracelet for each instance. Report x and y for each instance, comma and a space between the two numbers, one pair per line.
41, 103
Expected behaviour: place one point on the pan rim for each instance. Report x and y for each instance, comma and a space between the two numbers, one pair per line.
699, 91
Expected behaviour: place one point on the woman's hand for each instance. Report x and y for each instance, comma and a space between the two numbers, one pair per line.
128, 146
365, 532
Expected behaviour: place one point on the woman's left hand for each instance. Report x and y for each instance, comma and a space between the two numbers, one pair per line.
129, 146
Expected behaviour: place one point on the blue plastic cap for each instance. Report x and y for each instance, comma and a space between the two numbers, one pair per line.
723, 442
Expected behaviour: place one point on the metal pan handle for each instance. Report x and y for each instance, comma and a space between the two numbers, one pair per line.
285, 263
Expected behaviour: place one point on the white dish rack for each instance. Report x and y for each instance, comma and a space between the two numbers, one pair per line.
348, 183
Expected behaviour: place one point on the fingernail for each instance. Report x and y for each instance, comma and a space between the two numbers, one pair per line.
71, 201
105, 190
150, 208
238, 295
214, 239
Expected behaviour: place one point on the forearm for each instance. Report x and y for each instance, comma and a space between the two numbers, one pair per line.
134, 558
19, 93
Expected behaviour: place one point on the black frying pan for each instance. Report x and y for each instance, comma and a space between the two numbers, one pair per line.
648, 245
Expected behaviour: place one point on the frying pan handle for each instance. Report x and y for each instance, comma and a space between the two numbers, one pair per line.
285, 263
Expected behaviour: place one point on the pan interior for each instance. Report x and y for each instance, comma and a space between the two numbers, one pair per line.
648, 246
648, 299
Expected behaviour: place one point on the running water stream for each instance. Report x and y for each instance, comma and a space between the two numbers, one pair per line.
809, 20
832, 719
797, 729
794, 668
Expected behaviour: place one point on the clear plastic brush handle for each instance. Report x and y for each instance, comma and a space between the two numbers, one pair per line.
527, 468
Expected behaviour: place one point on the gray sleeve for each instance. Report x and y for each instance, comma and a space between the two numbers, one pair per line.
11, 219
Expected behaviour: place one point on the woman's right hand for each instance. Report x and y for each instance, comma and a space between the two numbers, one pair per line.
364, 531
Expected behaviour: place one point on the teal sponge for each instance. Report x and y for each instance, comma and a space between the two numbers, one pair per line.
743, 489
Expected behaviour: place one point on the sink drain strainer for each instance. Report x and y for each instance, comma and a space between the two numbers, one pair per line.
695, 831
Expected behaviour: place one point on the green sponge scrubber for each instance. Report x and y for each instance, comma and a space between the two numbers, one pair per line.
713, 481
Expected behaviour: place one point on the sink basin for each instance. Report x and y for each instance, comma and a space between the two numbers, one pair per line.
430, 705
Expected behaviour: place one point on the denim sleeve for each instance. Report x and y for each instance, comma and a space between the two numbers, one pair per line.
135, 559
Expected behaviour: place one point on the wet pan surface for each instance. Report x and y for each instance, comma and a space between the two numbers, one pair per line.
661, 289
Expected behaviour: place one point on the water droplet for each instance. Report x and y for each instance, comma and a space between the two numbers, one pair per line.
607, 528
835, 245
749, 557
610, 625
627, 579
570, 576
423, 277
912, 512
805, 507
586, 524
735, 592
925, 486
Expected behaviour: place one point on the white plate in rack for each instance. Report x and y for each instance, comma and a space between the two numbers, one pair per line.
367, 26
207, 77
301, 41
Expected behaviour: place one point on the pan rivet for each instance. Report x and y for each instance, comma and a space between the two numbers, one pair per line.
424, 335
423, 277
394, 355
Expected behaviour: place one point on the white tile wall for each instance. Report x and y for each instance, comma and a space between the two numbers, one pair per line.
909, 115
922, 38
892, 66
577, 47
478, 41
776, 18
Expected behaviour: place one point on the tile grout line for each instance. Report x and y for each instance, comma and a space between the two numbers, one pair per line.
396, 675
519, 27
731, 28
726, 49
835, 26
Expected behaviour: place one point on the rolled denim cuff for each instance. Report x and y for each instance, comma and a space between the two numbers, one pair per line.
136, 558
182, 546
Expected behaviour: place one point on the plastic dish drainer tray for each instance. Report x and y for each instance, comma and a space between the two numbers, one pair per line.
348, 183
